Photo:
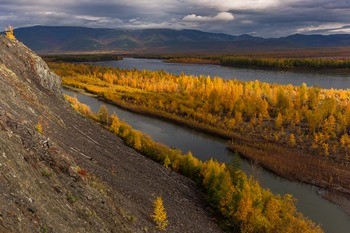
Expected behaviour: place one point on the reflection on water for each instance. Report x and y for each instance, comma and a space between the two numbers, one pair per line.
205, 146
323, 78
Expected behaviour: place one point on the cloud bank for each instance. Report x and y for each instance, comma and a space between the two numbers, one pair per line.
268, 18
222, 16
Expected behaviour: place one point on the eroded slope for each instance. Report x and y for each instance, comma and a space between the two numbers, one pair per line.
75, 176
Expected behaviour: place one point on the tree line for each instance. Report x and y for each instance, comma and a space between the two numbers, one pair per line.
272, 62
268, 62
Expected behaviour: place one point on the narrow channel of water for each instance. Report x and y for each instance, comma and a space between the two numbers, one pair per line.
322, 78
205, 146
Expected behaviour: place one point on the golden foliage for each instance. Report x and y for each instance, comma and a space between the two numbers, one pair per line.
279, 121
137, 141
114, 128
292, 141
345, 141
159, 214
167, 162
103, 115
9, 33
39, 128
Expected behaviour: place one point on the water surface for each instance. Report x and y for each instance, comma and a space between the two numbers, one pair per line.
322, 78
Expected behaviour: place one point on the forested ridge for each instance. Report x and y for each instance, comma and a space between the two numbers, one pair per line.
309, 125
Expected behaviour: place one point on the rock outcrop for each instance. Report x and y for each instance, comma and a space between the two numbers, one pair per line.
60, 172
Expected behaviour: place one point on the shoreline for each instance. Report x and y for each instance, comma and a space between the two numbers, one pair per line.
203, 61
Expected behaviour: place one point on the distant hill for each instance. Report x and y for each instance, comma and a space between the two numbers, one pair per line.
62, 39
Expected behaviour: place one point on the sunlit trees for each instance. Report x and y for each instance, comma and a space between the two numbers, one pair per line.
9, 33
292, 140
103, 114
345, 141
114, 124
137, 141
328, 127
159, 214
279, 121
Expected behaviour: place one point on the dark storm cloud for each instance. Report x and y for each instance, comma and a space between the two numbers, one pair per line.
268, 18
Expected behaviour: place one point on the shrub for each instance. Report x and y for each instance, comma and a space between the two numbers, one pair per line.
9, 33
159, 214
46, 173
39, 128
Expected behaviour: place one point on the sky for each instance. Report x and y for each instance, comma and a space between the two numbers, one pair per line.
266, 18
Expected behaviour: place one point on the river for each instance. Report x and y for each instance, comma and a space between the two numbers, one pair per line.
322, 78
205, 146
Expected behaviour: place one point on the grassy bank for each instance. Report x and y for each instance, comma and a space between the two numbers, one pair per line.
241, 204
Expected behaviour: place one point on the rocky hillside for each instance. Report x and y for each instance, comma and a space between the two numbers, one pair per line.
60, 172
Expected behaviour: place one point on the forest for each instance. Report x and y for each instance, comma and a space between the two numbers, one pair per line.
239, 201
286, 63
268, 62
81, 57
309, 125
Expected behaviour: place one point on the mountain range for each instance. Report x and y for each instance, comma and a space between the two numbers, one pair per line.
65, 39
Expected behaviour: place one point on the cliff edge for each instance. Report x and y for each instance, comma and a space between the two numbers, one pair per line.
60, 172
